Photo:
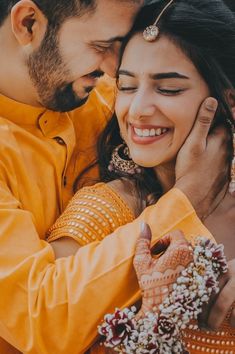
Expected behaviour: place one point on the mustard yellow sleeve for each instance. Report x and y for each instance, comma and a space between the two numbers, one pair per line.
93, 213
50, 306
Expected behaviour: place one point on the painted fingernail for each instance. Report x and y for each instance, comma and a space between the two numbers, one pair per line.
211, 104
143, 226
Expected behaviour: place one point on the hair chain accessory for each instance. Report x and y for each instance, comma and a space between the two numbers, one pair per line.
161, 332
151, 33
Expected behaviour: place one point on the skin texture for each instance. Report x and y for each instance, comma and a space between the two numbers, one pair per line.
157, 275
199, 150
57, 68
145, 102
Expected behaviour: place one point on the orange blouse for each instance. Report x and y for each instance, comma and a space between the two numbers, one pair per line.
95, 212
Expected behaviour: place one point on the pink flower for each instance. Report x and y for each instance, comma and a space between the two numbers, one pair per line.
166, 328
218, 254
115, 328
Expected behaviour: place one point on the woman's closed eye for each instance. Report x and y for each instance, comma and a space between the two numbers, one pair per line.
170, 91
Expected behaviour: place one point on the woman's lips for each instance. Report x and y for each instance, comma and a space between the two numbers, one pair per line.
147, 134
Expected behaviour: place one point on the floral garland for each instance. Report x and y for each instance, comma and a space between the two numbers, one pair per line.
160, 333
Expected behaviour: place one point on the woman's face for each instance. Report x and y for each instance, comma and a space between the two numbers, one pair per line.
159, 94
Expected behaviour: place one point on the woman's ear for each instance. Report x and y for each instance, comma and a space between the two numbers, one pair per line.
28, 23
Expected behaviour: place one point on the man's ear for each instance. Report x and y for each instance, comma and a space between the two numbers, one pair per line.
28, 22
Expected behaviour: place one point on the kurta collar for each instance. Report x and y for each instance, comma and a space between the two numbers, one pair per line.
52, 124
19, 113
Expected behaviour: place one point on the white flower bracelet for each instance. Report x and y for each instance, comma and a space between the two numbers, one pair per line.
161, 333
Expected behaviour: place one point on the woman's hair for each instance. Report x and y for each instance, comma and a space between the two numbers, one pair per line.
205, 32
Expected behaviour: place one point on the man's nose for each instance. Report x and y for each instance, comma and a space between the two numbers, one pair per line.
110, 62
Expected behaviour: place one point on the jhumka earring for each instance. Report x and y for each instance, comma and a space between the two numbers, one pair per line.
232, 182
122, 162
151, 33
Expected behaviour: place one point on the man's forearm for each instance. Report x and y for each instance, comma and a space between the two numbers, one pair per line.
57, 304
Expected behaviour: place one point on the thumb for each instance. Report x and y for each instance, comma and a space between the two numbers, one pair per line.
203, 122
143, 256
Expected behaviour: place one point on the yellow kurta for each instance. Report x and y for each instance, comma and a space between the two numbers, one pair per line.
93, 213
50, 306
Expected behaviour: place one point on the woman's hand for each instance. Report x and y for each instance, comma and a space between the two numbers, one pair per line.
157, 275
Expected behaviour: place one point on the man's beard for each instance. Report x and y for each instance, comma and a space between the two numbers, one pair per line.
48, 72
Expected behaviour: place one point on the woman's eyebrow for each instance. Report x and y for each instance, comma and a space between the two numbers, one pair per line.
158, 76
168, 75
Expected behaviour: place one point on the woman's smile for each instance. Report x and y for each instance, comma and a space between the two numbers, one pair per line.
157, 101
146, 134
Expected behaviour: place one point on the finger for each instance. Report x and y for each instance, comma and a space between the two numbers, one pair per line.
175, 236
179, 253
203, 122
218, 138
143, 256
222, 305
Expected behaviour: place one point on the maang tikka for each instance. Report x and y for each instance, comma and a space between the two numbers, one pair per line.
151, 33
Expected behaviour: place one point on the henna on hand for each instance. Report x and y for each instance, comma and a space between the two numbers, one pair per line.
156, 276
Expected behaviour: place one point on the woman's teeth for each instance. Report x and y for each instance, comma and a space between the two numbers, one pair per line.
149, 132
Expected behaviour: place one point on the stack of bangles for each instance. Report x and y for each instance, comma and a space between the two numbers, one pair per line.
162, 332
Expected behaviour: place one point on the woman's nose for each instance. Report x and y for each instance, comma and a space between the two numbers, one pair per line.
142, 105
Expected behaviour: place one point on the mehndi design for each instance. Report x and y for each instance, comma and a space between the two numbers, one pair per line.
156, 276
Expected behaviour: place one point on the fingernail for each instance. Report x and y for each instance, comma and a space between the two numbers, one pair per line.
142, 226
211, 104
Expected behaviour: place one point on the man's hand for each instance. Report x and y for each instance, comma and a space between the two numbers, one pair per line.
218, 308
202, 167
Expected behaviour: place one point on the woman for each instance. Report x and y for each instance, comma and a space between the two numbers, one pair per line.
191, 58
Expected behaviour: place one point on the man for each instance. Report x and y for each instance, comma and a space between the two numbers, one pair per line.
52, 53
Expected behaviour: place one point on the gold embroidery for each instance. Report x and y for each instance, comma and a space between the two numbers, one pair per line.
93, 213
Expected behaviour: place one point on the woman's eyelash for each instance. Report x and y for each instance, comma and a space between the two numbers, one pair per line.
125, 88
166, 91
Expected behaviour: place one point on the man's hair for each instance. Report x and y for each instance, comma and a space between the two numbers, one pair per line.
56, 11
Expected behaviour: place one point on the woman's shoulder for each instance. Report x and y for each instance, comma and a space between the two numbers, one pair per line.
127, 191
113, 196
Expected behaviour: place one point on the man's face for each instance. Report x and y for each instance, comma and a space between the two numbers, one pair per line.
68, 62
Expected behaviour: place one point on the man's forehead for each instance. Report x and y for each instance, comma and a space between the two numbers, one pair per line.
112, 20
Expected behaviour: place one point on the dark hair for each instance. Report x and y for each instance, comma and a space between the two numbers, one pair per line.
205, 32
56, 11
